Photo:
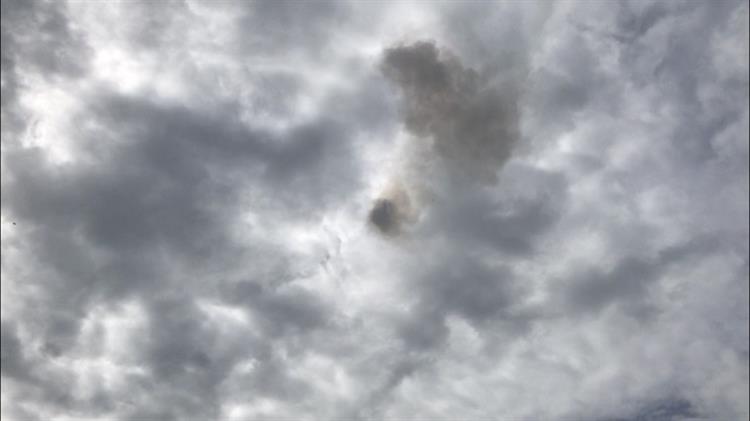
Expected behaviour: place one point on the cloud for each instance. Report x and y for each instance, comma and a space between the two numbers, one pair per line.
275, 211
38, 41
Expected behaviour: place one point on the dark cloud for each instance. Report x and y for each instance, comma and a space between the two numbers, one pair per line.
163, 192
666, 410
155, 183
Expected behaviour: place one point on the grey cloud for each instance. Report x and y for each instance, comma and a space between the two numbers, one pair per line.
37, 39
466, 286
510, 223
267, 27
11, 352
423, 329
632, 21
665, 410
186, 362
152, 25
287, 310
155, 192
462, 276
571, 83
470, 289
179, 340
377, 400
628, 281
38, 34
152, 188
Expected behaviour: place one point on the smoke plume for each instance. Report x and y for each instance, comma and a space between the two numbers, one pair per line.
468, 125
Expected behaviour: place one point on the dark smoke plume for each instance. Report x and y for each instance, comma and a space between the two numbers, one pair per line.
469, 124
391, 211
384, 215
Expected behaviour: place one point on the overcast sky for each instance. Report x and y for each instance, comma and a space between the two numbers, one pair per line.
374, 210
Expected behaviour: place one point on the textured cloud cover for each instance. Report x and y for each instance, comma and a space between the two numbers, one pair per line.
195, 197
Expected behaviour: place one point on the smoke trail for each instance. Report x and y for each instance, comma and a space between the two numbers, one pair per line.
468, 124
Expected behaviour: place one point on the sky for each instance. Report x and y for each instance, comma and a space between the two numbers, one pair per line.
444, 210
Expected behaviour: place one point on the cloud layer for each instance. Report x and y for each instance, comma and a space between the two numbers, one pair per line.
279, 210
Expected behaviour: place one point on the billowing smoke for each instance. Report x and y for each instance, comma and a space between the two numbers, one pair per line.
392, 210
468, 124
